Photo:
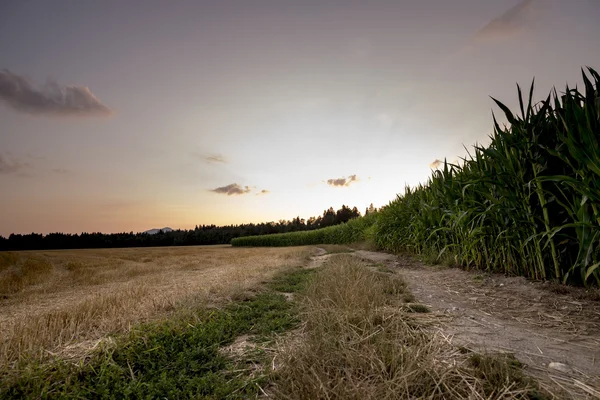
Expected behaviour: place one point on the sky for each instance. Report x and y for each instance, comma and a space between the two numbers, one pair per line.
120, 116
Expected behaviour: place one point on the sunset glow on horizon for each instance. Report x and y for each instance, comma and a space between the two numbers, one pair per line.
125, 116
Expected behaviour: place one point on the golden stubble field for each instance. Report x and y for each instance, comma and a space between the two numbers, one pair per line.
67, 302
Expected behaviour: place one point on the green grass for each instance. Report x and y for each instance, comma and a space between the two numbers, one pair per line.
292, 281
178, 358
496, 369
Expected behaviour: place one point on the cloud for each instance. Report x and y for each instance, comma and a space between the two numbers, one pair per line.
215, 158
509, 23
342, 182
11, 167
233, 189
436, 163
264, 191
60, 171
52, 99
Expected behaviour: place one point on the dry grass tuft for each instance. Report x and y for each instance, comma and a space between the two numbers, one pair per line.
359, 342
21, 273
7, 260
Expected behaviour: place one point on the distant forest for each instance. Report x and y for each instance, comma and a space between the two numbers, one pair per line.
200, 235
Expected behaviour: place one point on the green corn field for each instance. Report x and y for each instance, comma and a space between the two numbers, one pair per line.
349, 232
527, 204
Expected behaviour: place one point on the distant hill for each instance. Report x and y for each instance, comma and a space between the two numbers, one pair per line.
154, 231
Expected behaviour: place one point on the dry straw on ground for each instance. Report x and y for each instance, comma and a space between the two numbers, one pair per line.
359, 342
66, 302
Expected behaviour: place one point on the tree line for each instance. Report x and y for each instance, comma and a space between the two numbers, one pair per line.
200, 235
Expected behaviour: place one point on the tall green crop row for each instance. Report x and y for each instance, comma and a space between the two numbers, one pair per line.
528, 204
349, 232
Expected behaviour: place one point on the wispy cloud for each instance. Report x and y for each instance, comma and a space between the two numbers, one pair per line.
342, 182
10, 166
509, 23
233, 189
436, 163
52, 99
215, 159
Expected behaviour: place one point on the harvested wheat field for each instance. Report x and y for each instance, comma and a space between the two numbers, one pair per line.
67, 301
325, 322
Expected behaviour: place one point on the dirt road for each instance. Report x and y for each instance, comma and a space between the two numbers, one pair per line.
556, 335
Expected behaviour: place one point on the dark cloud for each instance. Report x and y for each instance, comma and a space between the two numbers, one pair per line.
509, 23
436, 163
264, 191
342, 182
215, 158
11, 167
17, 92
233, 189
